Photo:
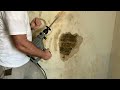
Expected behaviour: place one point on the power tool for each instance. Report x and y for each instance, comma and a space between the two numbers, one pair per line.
38, 42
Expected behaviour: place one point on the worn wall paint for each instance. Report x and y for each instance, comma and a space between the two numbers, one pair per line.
92, 59
114, 70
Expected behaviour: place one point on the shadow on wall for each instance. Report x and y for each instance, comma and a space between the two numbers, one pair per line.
114, 69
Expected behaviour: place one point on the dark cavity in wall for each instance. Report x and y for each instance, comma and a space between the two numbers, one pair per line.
69, 45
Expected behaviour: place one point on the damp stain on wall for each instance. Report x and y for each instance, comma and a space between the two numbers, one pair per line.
69, 45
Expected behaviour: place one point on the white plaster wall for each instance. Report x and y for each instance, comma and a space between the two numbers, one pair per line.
114, 69
92, 59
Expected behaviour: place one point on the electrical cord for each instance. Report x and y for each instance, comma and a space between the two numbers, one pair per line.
36, 63
34, 35
43, 71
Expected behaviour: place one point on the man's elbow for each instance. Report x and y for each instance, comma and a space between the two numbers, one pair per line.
19, 47
19, 41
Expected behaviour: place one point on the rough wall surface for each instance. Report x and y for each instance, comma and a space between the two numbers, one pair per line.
91, 57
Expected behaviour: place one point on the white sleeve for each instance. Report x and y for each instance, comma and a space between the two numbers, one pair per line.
15, 21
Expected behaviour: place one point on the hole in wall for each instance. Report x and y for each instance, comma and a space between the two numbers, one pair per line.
69, 45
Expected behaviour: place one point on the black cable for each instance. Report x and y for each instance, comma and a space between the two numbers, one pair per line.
44, 73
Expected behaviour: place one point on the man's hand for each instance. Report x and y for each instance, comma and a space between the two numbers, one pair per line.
47, 54
25, 46
35, 23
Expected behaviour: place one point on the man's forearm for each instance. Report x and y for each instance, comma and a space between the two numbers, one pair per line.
27, 47
30, 49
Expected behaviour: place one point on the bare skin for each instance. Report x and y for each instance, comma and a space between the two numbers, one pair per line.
35, 24
27, 47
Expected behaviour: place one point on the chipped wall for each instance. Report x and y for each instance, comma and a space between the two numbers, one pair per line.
91, 57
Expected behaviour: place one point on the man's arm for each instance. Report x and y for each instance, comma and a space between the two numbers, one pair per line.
17, 28
25, 46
